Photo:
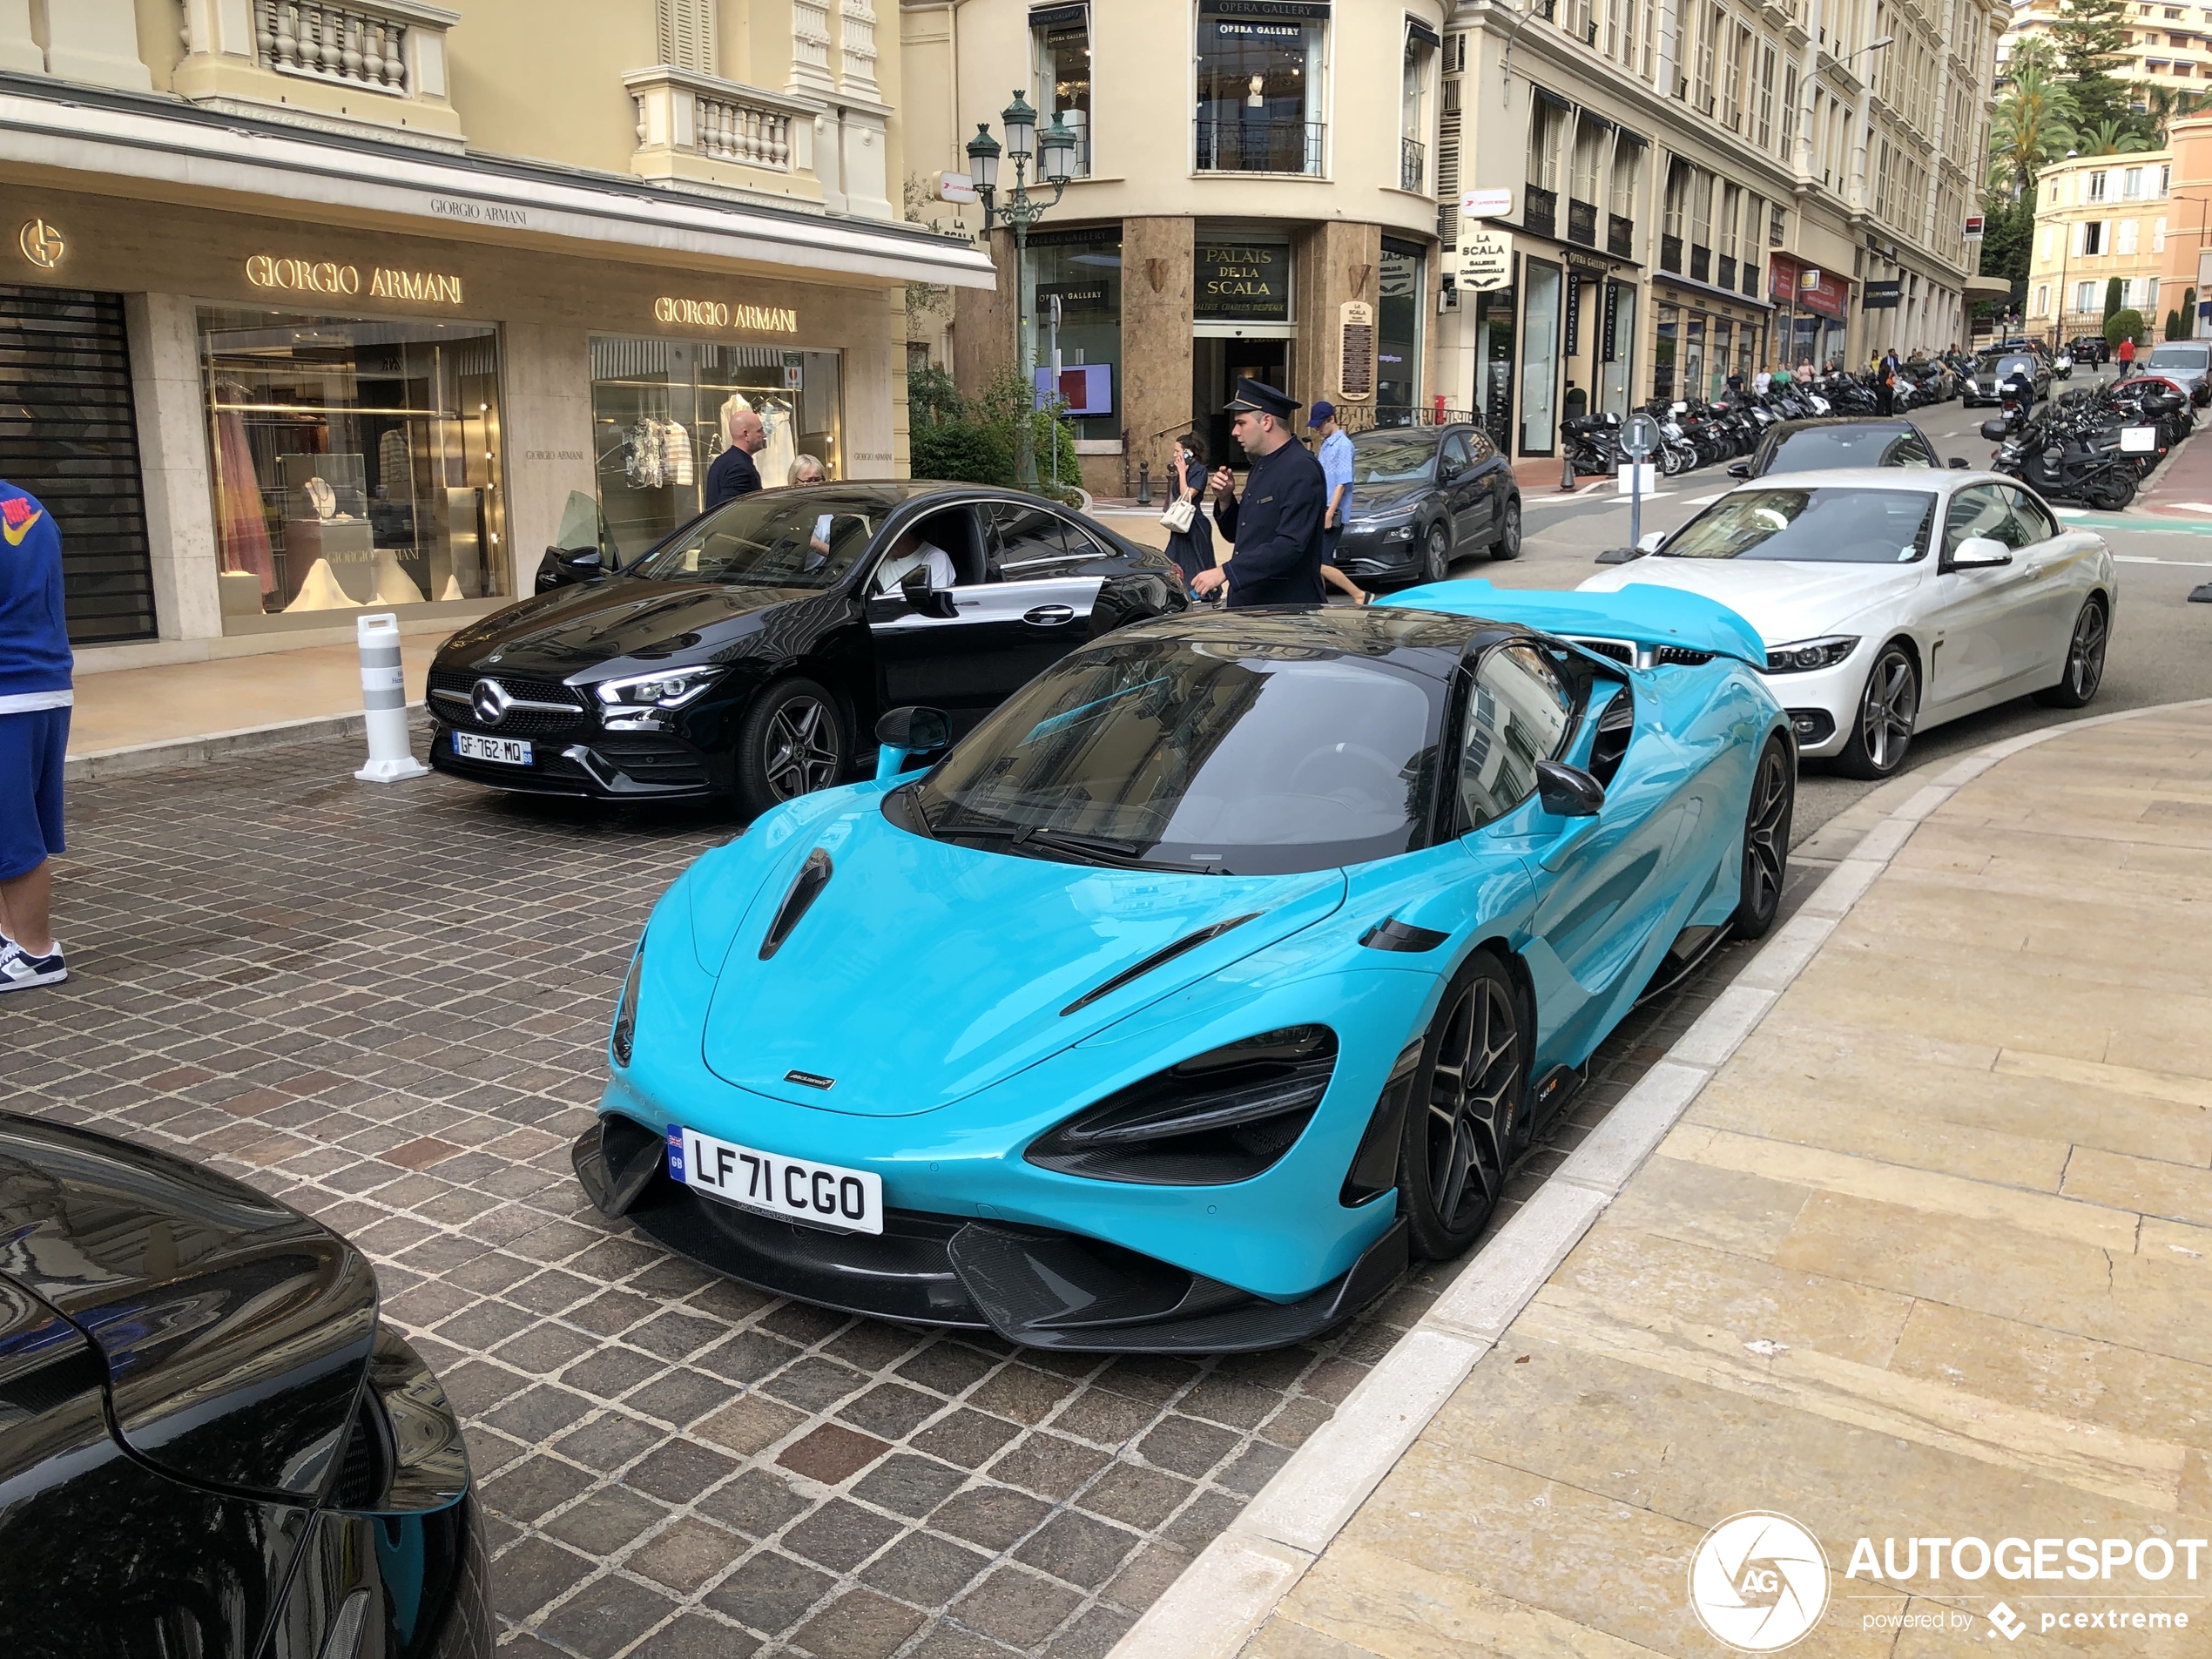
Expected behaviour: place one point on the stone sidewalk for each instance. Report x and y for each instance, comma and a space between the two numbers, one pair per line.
1927, 1257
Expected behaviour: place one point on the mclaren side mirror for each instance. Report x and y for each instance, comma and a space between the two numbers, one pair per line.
924, 600
910, 731
1979, 553
1652, 542
1567, 792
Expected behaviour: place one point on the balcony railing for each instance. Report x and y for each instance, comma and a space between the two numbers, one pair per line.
1620, 236
1701, 263
1258, 146
1413, 165
367, 46
1671, 254
1726, 278
1540, 211
1582, 222
684, 115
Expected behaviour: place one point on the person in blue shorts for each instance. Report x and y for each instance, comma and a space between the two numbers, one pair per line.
35, 698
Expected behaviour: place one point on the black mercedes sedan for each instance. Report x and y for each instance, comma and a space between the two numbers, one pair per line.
210, 1443
748, 654
1821, 441
1985, 383
1422, 496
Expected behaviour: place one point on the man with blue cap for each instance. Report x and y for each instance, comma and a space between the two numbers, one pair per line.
1277, 526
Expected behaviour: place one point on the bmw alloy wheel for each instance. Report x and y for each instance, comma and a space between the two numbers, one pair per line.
801, 754
1887, 713
1473, 1092
2085, 660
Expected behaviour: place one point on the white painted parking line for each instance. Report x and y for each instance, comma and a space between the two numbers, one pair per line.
2145, 558
2196, 506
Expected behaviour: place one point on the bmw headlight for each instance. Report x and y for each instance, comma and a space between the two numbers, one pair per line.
1805, 655
670, 690
1216, 1117
625, 1037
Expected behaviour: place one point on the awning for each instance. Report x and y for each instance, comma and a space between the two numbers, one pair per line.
1553, 98
1986, 287
1416, 30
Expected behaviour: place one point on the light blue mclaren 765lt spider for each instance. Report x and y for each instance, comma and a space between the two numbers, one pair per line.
1218, 973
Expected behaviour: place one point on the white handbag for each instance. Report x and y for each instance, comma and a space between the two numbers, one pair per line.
1180, 515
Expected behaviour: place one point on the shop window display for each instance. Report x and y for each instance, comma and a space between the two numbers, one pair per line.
1083, 270
660, 415
354, 463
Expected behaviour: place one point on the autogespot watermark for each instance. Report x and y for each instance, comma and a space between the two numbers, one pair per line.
1760, 1582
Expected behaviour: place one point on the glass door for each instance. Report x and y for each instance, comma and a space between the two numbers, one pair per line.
1540, 359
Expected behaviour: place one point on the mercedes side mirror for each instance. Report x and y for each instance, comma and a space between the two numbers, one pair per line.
1979, 553
1740, 469
921, 598
1567, 792
562, 566
906, 732
1994, 431
1959, 463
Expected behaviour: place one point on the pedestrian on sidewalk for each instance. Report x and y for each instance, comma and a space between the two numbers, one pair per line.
1191, 548
733, 474
1277, 528
1335, 455
34, 699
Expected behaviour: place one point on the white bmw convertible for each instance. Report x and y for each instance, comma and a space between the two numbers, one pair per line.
1891, 601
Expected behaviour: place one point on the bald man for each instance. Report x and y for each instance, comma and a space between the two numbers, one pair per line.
733, 474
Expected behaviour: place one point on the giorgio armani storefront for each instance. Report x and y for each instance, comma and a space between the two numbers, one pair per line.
253, 430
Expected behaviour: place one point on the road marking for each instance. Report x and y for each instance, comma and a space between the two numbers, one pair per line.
2144, 558
2195, 506
1702, 501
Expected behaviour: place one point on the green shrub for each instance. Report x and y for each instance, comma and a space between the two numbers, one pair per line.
2126, 325
960, 451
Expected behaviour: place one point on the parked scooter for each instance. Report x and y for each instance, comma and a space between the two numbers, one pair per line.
2066, 463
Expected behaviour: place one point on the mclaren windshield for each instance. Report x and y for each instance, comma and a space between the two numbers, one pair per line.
1827, 524
1226, 755
779, 538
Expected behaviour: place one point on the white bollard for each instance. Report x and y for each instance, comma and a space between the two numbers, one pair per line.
391, 757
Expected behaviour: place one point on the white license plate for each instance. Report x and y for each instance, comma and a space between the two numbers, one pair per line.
2138, 439
828, 1195
507, 752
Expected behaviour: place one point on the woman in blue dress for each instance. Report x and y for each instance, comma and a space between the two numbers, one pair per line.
1191, 550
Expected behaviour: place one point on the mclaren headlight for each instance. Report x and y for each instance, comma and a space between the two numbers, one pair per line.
1805, 655
1217, 1117
625, 1037
670, 688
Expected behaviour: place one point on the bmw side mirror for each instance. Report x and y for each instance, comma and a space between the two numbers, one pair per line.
906, 731
922, 599
1959, 463
1979, 553
1567, 792
1994, 431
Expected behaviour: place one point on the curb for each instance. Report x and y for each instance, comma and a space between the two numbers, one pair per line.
1233, 1588
211, 745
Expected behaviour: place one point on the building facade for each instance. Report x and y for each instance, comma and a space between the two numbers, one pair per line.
1688, 190
2100, 219
317, 307
2166, 46
2185, 268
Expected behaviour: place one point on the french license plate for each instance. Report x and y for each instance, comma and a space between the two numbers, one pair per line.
825, 1194
507, 752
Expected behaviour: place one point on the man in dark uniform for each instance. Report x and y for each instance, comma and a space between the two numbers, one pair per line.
1277, 528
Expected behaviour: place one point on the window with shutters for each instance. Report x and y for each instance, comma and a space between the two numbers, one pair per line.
1763, 131
686, 29
1448, 169
2129, 229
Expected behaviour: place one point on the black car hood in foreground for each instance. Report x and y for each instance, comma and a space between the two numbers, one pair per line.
602, 622
235, 1331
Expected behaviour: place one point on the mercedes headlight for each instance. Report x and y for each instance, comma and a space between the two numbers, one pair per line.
671, 689
1805, 655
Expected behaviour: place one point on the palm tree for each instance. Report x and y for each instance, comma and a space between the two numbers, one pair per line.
2112, 138
2033, 125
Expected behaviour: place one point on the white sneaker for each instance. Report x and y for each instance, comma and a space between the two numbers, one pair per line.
21, 971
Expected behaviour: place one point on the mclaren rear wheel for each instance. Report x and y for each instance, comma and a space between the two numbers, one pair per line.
1766, 840
1469, 1097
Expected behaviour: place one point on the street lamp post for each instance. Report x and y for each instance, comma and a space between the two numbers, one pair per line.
1054, 151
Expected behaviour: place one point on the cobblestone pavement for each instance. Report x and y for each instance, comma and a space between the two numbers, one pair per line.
386, 1006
